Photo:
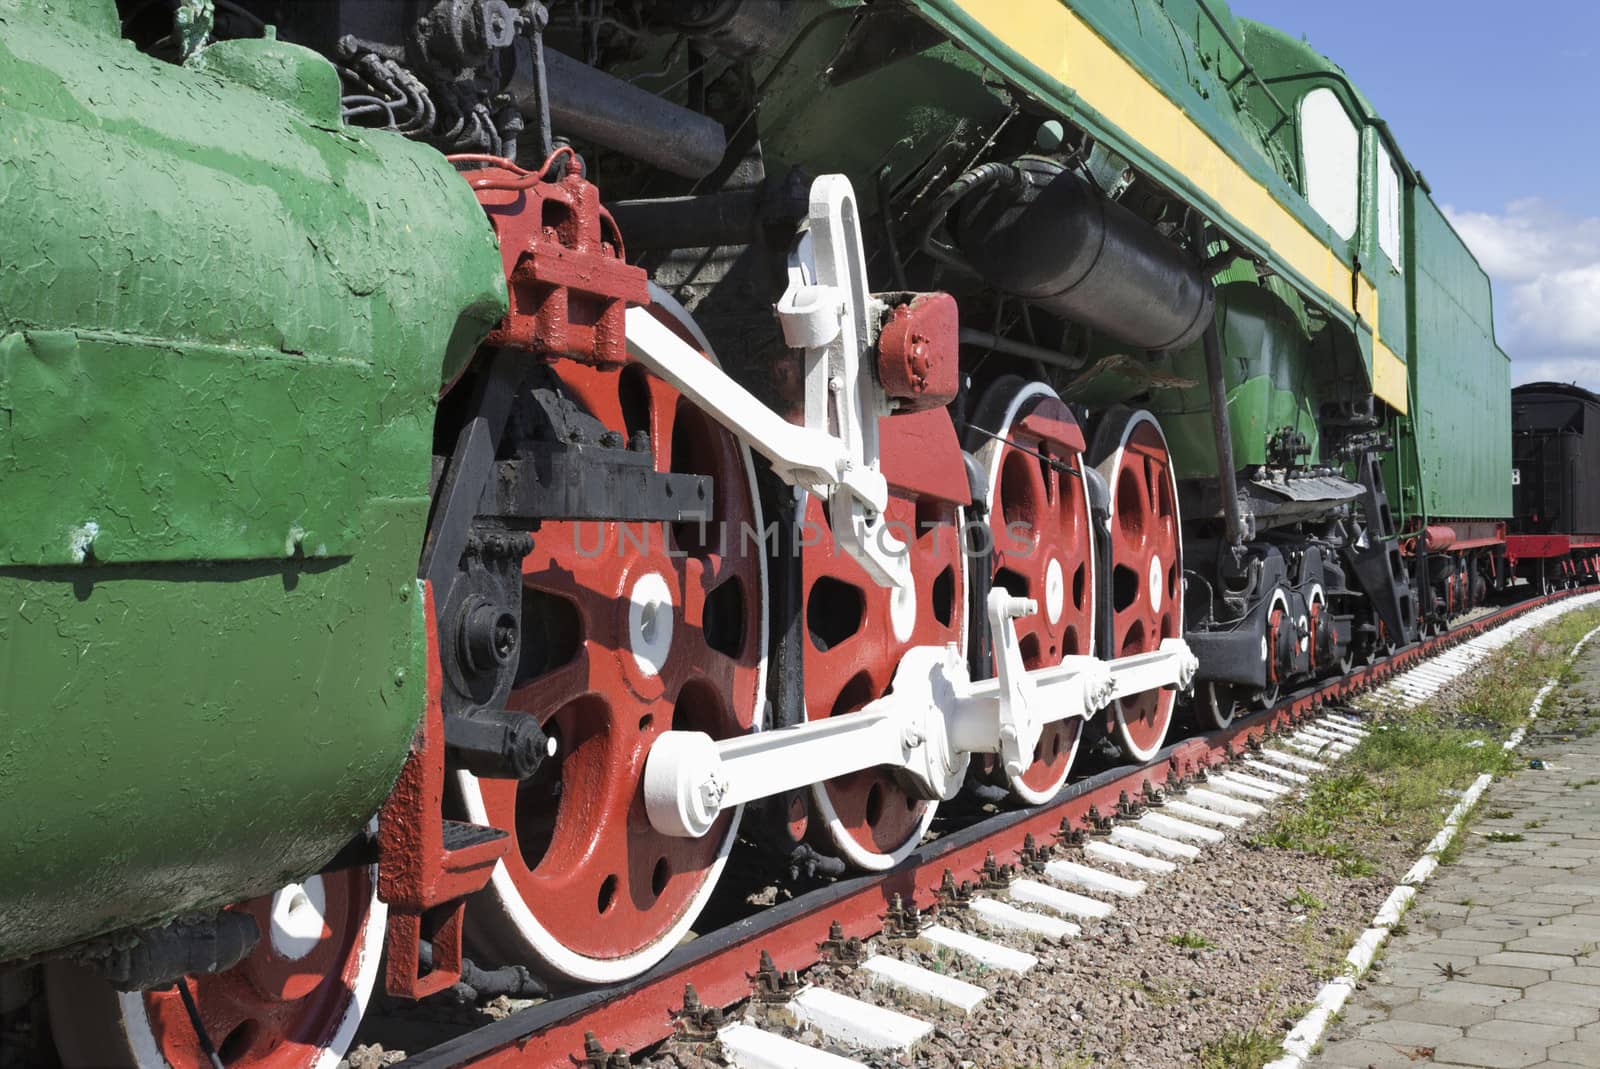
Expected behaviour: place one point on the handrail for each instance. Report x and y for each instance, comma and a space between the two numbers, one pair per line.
1248, 70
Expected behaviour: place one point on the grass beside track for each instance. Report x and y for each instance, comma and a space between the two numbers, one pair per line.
1397, 784
1388, 797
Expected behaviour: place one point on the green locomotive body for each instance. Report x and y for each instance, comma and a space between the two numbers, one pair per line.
226, 318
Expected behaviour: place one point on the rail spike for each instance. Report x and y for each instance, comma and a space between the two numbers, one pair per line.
842, 950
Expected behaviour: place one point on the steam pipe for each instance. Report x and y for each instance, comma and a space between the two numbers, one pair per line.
592, 105
1221, 432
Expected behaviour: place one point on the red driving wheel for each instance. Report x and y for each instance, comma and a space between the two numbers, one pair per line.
856, 633
1031, 449
293, 1003
629, 630
1146, 565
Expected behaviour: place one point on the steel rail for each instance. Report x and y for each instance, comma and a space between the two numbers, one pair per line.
642, 1012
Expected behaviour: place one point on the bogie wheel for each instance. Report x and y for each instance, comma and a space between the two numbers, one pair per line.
1275, 649
856, 634
629, 630
1041, 539
1130, 452
1217, 703
293, 1003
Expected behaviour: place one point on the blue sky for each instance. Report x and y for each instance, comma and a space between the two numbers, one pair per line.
1499, 107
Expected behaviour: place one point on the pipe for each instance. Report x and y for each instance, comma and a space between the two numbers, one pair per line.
1227, 485
594, 106
970, 336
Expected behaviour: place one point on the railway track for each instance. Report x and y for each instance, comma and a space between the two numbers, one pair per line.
992, 861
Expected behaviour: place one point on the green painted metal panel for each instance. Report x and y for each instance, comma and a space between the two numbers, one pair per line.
277, 283
224, 321
177, 736
1457, 462
1268, 367
888, 121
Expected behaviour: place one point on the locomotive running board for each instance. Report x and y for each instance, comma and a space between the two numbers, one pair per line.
926, 728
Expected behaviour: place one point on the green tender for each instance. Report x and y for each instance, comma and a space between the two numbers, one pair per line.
224, 320
1455, 454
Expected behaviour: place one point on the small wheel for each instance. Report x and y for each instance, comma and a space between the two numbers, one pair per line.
629, 630
294, 1003
1218, 704
856, 633
1040, 533
1131, 453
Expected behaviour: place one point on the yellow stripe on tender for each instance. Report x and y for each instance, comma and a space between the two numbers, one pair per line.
1389, 376
1054, 39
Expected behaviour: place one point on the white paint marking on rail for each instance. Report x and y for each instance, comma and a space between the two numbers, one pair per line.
748, 1047
1091, 879
982, 951
1056, 900
853, 1023
1004, 915
1117, 855
923, 984
1173, 828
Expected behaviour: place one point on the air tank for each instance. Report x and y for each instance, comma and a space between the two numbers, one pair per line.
1053, 239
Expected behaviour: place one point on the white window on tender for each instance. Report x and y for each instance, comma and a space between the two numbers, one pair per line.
1332, 147
1388, 205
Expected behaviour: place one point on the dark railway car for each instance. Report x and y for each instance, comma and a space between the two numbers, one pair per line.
1555, 483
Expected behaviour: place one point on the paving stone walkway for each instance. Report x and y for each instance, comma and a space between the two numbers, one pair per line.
1499, 963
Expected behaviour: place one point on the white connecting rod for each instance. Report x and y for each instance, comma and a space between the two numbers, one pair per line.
828, 313
927, 727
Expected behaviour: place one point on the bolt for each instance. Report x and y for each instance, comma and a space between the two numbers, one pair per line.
835, 383
912, 738
711, 791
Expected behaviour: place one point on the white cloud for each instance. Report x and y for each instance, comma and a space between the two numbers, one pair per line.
1545, 265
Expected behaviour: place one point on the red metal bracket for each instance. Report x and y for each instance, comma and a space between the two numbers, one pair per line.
426, 864
918, 362
569, 283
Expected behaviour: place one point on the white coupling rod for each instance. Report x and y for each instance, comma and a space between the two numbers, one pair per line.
927, 727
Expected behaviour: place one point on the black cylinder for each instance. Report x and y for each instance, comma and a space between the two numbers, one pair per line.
1054, 240
590, 104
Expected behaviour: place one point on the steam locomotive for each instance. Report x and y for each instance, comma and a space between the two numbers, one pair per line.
473, 463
